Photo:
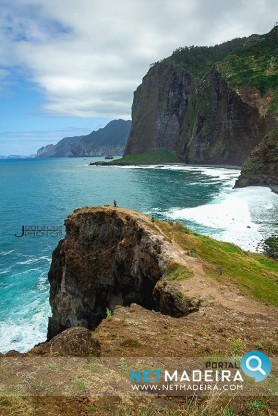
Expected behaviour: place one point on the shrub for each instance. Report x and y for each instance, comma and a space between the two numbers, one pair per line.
131, 343
267, 345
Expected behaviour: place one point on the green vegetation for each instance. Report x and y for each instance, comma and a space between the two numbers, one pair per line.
155, 156
177, 272
123, 366
79, 384
108, 314
228, 412
255, 65
243, 61
235, 346
198, 60
131, 343
268, 346
53, 367
255, 405
255, 274
270, 246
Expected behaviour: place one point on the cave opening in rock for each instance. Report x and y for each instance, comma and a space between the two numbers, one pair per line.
132, 289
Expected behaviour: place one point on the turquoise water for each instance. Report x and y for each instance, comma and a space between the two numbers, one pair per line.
44, 192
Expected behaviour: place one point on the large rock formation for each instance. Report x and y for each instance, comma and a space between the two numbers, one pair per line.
109, 140
116, 257
261, 167
110, 257
208, 105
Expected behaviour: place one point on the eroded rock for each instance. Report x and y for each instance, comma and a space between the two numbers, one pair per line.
109, 257
172, 301
72, 342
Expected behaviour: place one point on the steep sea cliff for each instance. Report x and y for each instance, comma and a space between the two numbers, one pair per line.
210, 106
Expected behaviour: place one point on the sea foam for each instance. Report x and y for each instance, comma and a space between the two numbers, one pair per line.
236, 217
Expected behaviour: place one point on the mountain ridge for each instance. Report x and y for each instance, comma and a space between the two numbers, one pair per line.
110, 139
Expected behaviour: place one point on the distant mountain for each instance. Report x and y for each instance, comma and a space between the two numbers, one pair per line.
110, 139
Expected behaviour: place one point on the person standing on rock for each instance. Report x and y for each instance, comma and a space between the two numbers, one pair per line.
115, 203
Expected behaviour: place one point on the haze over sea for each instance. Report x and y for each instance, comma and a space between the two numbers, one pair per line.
45, 191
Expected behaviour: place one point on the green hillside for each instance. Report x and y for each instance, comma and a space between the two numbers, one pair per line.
255, 66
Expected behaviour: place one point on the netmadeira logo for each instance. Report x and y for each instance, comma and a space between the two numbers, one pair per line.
215, 376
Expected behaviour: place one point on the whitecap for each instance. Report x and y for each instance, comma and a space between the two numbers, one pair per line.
35, 260
24, 333
5, 271
6, 253
235, 217
220, 173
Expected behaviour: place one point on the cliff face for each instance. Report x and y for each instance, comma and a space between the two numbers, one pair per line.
220, 128
261, 167
209, 124
109, 140
208, 105
109, 258
159, 108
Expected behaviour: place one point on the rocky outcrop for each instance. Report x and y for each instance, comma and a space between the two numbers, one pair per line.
172, 302
110, 256
109, 140
261, 167
78, 342
208, 105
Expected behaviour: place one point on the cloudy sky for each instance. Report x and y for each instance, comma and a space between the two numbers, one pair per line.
67, 67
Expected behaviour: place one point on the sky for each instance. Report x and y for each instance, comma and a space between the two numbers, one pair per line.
68, 67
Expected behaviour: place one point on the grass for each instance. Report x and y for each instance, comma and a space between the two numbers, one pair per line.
79, 384
235, 346
155, 156
255, 405
254, 274
268, 346
177, 272
131, 343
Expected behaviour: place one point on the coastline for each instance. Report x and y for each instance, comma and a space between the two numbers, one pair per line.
95, 187
103, 163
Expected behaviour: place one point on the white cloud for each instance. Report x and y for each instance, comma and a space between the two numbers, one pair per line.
88, 56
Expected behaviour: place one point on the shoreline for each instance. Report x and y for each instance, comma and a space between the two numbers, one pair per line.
103, 163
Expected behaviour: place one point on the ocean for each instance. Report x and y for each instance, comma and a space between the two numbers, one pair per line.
42, 192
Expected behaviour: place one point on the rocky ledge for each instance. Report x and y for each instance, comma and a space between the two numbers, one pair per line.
111, 256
